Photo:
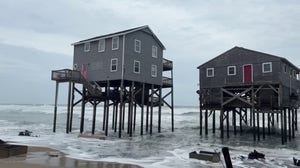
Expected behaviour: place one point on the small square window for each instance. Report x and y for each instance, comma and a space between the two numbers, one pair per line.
231, 70
136, 66
154, 71
87, 47
210, 72
101, 45
115, 43
267, 67
113, 65
154, 51
137, 45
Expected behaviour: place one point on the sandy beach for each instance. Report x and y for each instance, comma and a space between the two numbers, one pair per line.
42, 157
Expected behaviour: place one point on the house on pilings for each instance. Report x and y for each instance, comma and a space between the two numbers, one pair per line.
248, 85
123, 71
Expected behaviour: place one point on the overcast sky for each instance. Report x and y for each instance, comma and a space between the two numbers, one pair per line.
35, 37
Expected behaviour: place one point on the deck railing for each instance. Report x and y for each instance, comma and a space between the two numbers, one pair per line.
167, 81
167, 64
66, 75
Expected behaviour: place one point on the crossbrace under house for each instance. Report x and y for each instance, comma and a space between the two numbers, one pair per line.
123, 71
258, 90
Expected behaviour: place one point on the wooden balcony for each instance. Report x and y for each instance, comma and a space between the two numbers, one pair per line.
167, 82
167, 65
66, 75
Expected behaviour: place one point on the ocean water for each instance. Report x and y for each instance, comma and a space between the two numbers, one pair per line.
165, 149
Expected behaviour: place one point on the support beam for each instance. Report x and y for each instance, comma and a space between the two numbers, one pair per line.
55, 106
151, 110
214, 121
227, 123
142, 108
159, 109
293, 122
107, 108
121, 108
69, 108
289, 123
206, 121
221, 123
72, 106
82, 109
94, 116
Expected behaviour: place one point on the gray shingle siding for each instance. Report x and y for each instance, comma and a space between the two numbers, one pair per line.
145, 58
239, 57
98, 63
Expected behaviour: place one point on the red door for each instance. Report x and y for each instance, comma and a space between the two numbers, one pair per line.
84, 70
248, 78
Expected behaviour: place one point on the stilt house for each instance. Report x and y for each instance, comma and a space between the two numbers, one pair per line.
125, 67
240, 80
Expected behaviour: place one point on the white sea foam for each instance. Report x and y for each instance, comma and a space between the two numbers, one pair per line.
159, 150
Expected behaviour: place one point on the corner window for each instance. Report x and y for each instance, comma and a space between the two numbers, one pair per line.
154, 51
87, 47
231, 70
115, 43
210, 72
285, 68
137, 45
154, 71
113, 65
101, 45
136, 66
267, 67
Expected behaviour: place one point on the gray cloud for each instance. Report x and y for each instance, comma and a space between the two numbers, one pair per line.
192, 31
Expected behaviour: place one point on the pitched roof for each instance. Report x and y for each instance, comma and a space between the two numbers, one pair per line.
120, 33
248, 50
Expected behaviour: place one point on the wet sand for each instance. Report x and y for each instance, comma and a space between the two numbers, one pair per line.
41, 157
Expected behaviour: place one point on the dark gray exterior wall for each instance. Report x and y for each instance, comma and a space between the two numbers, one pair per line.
145, 58
238, 58
98, 63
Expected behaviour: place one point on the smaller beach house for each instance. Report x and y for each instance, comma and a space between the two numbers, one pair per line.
240, 67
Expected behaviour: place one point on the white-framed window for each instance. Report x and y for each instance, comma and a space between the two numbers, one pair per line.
210, 72
87, 47
267, 67
153, 70
101, 45
231, 70
154, 51
114, 65
115, 43
136, 66
285, 68
137, 46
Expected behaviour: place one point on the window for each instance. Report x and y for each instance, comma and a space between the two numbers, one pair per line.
101, 45
285, 68
136, 66
154, 71
154, 51
87, 47
137, 45
113, 65
267, 67
115, 43
231, 70
210, 72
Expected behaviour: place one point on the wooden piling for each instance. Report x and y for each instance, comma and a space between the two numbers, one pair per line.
116, 117
94, 117
293, 122
82, 109
159, 109
296, 120
227, 123
253, 124
55, 106
206, 122
269, 124
142, 108
107, 107
234, 120
263, 124
200, 120
221, 123
289, 123
241, 119
281, 123
72, 106
214, 121
121, 108
68, 109
258, 131
151, 110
